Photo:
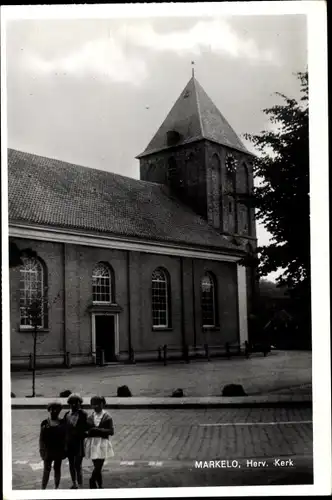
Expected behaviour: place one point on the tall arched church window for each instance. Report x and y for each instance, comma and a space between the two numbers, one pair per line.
208, 300
243, 192
102, 284
230, 190
230, 173
160, 299
33, 293
231, 212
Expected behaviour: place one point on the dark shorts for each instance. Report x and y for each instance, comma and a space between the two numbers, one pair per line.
75, 450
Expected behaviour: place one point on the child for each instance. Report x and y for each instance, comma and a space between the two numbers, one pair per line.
52, 443
76, 426
98, 446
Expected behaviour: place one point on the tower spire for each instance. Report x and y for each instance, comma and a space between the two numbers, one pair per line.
193, 68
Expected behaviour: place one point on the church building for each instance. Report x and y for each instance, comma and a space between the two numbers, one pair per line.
123, 267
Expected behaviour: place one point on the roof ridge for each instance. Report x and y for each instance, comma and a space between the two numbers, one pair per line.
198, 106
76, 165
206, 135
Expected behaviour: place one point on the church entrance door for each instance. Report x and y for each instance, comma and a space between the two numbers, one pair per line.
105, 336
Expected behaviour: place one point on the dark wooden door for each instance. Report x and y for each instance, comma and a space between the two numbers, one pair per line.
105, 336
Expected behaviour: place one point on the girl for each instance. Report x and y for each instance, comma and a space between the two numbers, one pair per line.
52, 443
76, 426
98, 446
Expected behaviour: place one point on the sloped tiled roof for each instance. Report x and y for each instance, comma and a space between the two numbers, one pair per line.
54, 193
194, 116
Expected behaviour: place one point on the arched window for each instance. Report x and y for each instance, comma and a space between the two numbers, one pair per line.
102, 284
244, 219
230, 173
216, 189
160, 299
33, 294
230, 209
242, 175
208, 298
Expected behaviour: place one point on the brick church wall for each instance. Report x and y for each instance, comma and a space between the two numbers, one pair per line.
190, 163
70, 269
144, 336
52, 339
225, 275
80, 263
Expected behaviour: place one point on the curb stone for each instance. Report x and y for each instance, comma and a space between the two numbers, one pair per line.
269, 400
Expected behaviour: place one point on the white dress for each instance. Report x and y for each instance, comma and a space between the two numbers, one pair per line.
98, 447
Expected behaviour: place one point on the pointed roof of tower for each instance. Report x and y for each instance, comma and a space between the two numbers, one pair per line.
194, 116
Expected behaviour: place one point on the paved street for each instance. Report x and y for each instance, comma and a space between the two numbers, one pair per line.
279, 371
160, 447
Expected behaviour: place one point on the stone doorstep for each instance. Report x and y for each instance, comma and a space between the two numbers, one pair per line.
185, 402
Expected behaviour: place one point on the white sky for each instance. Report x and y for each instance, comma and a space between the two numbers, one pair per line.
94, 91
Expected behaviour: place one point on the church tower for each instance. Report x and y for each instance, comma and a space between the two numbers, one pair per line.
197, 154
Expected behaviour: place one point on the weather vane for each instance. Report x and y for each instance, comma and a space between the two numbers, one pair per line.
193, 68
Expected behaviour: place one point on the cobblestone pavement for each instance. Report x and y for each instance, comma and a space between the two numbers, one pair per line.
154, 446
278, 371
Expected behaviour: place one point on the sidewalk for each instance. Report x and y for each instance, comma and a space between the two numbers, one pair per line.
280, 373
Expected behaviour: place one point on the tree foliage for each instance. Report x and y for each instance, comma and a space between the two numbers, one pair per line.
282, 197
16, 254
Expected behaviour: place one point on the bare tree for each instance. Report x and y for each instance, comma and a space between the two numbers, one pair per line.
35, 310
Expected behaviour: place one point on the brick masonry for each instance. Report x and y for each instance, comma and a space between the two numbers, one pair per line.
69, 275
194, 183
199, 178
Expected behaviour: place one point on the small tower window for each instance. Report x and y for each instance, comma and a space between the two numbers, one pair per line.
173, 137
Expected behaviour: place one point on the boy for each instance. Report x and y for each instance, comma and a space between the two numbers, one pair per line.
52, 443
